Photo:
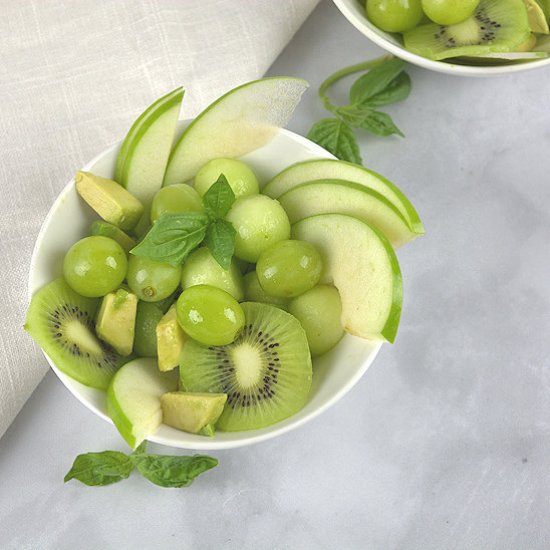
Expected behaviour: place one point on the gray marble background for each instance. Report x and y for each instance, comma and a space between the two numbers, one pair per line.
445, 442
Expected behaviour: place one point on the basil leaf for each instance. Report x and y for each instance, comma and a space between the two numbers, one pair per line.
172, 237
336, 137
397, 90
141, 448
173, 471
375, 81
100, 468
219, 198
220, 240
380, 124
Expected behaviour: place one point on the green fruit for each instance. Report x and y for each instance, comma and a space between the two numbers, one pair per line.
209, 315
175, 199
240, 121
265, 372
240, 177
200, 268
95, 266
152, 281
253, 292
394, 15
289, 268
133, 399
260, 222
62, 324
192, 412
496, 26
362, 265
319, 311
449, 12
147, 318
105, 229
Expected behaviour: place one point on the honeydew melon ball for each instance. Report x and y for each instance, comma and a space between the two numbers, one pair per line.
239, 175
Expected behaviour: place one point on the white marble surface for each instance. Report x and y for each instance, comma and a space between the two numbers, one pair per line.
445, 443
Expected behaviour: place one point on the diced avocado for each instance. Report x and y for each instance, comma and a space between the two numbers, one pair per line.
106, 229
109, 199
209, 430
192, 412
170, 339
116, 320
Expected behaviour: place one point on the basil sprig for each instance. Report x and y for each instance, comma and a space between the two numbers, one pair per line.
174, 236
383, 84
108, 467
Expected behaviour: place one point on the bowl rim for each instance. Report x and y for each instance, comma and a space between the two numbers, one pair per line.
209, 444
438, 66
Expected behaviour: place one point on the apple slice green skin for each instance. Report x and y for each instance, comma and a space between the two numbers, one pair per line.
144, 154
240, 121
310, 170
346, 197
133, 399
361, 263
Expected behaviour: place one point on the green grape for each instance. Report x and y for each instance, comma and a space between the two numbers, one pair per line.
289, 268
449, 12
201, 268
239, 176
319, 311
145, 339
260, 222
253, 292
95, 266
152, 281
394, 15
209, 315
175, 199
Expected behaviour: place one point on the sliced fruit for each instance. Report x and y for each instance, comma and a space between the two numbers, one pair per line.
536, 16
265, 372
116, 320
240, 121
170, 339
496, 26
310, 170
362, 265
62, 324
143, 156
105, 229
345, 197
110, 200
192, 412
133, 399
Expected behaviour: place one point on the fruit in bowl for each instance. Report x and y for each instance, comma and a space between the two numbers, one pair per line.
189, 315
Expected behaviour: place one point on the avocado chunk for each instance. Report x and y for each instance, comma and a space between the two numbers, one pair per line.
170, 339
192, 412
116, 320
109, 199
106, 229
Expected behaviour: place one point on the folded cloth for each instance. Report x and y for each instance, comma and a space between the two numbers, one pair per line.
74, 76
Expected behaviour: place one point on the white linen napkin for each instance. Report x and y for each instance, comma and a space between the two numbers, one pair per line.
73, 77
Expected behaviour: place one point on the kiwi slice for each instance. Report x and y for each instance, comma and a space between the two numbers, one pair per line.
62, 323
266, 372
536, 17
496, 26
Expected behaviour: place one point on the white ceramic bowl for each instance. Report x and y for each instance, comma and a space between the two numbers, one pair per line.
354, 12
69, 220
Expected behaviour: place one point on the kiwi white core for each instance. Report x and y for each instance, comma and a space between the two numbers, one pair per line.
75, 331
248, 361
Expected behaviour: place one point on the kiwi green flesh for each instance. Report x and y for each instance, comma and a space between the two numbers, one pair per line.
496, 26
266, 372
62, 324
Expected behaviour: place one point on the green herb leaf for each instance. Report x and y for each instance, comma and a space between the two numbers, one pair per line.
375, 81
219, 198
380, 124
100, 468
173, 471
220, 240
397, 90
172, 237
337, 138
141, 448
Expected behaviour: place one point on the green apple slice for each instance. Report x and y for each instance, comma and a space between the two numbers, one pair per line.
360, 262
133, 399
143, 156
310, 170
240, 121
346, 197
